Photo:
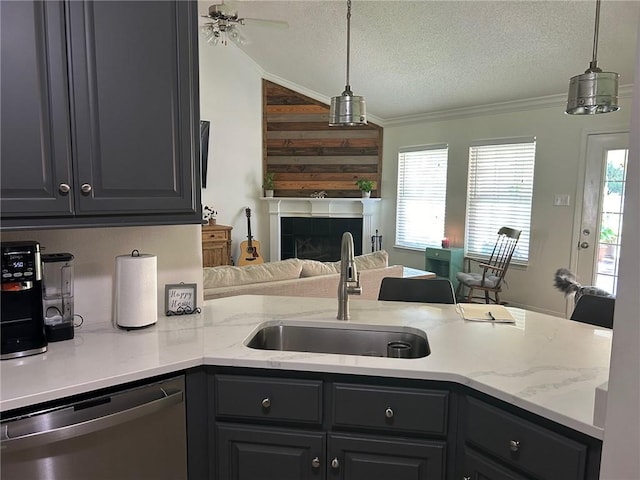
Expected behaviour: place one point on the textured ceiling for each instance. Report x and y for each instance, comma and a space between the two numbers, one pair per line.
417, 57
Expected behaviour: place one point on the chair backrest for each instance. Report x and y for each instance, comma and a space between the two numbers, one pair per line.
594, 310
502, 252
426, 290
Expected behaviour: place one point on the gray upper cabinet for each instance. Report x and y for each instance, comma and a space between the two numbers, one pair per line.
100, 113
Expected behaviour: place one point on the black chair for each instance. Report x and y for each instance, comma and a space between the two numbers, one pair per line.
594, 310
425, 290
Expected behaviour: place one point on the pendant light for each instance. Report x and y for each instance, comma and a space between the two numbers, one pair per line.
594, 91
347, 110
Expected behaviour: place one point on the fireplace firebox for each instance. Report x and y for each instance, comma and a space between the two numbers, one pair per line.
317, 238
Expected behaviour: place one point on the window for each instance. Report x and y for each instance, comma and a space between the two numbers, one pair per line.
422, 196
499, 193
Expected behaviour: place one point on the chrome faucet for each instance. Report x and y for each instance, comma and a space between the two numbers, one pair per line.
349, 276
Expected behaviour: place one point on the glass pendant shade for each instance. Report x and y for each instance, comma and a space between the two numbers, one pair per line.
347, 110
593, 92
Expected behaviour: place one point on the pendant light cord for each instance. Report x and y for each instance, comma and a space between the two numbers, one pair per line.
347, 89
594, 64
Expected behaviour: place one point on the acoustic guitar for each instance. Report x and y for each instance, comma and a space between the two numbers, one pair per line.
250, 248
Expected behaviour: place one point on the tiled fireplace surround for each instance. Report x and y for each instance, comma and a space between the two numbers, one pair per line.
279, 207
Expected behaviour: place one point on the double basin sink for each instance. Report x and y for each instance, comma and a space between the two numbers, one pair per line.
357, 340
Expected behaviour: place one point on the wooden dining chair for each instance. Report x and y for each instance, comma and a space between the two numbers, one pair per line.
425, 290
490, 278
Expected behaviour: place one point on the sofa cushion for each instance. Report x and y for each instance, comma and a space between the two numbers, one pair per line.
313, 268
368, 261
379, 259
227, 275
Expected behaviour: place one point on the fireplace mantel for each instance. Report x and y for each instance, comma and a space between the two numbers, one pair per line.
365, 208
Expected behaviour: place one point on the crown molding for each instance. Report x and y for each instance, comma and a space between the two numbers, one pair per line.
558, 100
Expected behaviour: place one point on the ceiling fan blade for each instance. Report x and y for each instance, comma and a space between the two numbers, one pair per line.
272, 23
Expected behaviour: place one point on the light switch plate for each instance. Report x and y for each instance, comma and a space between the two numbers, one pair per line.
561, 200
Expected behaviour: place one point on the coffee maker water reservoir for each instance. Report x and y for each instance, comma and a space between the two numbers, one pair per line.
58, 296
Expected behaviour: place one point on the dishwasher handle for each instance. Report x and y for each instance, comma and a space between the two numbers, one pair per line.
72, 430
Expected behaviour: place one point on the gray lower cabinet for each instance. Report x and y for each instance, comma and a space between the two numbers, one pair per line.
269, 453
294, 425
99, 113
525, 449
281, 428
478, 467
358, 457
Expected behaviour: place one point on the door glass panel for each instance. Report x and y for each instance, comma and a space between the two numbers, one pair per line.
606, 275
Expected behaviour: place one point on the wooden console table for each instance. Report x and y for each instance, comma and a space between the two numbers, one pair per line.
216, 245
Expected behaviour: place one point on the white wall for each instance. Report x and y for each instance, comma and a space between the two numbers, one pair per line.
620, 459
559, 164
231, 99
178, 249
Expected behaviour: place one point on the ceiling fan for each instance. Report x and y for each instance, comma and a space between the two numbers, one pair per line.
223, 25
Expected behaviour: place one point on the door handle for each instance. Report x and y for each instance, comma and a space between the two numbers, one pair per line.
584, 245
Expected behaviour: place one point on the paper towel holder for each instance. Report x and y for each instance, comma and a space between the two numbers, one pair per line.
181, 298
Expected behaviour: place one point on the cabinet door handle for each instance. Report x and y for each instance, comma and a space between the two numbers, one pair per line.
315, 463
64, 188
388, 412
335, 463
85, 188
266, 402
514, 445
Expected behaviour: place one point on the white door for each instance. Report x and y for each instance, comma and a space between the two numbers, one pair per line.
602, 210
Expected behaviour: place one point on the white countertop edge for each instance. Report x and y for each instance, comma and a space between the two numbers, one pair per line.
299, 365
92, 386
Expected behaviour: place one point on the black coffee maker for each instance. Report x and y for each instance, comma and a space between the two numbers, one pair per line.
22, 320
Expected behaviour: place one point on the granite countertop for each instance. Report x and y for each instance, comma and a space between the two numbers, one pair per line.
546, 365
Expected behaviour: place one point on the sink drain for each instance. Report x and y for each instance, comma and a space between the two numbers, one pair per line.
399, 349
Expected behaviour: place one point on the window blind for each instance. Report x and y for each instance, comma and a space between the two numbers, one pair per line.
422, 195
499, 194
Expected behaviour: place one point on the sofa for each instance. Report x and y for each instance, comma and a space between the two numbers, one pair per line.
295, 277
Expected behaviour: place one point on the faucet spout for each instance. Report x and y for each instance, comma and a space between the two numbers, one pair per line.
349, 276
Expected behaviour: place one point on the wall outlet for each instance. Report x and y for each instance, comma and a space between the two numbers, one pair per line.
561, 200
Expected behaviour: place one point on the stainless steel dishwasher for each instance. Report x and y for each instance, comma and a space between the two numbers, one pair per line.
137, 433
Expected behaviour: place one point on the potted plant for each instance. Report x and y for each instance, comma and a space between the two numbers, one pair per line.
365, 185
268, 184
607, 238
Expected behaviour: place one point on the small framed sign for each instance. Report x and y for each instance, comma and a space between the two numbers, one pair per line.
180, 298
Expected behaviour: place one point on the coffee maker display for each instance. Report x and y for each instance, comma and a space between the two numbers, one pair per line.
21, 318
58, 296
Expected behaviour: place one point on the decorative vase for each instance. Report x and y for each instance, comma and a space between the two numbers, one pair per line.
212, 221
366, 194
268, 193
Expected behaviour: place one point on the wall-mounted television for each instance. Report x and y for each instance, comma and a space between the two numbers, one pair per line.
204, 149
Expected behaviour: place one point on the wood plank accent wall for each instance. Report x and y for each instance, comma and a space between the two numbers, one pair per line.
307, 155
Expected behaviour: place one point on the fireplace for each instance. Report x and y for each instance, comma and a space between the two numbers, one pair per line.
356, 215
317, 238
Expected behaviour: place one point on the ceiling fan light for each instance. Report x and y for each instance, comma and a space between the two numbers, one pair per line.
347, 110
593, 92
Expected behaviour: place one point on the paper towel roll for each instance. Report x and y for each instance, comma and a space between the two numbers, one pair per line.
136, 290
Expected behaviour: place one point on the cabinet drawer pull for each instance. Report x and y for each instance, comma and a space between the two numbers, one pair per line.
85, 188
514, 445
388, 412
266, 402
64, 188
315, 463
335, 464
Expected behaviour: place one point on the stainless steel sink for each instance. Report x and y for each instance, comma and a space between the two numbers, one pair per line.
399, 343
